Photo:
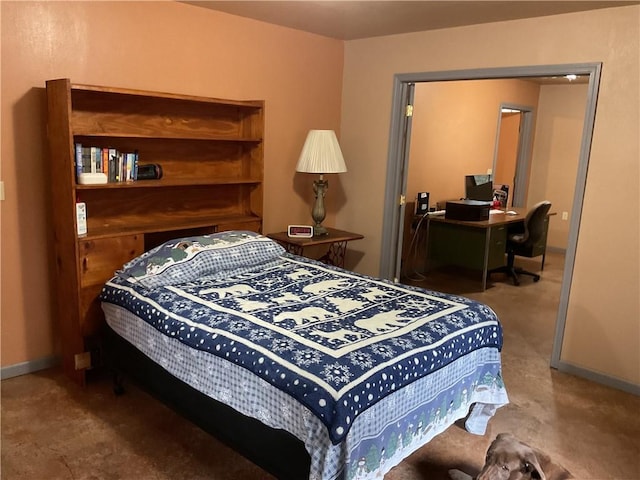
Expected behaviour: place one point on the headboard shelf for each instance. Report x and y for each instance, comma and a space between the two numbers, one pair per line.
165, 183
211, 154
214, 224
122, 93
97, 134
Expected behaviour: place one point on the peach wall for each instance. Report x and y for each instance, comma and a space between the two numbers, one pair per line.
556, 152
454, 130
300, 75
164, 46
602, 328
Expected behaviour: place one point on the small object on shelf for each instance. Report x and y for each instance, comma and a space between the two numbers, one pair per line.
92, 178
81, 218
152, 171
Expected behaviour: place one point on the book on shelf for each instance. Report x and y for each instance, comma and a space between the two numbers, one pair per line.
78, 159
105, 162
112, 176
96, 159
86, 160
115, 165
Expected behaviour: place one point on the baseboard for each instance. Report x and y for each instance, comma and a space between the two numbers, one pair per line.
28, 367
599, 378
556, 250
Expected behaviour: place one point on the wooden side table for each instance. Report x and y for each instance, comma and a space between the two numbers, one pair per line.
336, 240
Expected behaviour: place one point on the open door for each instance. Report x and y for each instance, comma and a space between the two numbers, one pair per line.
513, 151
395, 195
404, 160
520, 118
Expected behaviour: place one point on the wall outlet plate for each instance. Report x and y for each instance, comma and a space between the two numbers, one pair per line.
82, 360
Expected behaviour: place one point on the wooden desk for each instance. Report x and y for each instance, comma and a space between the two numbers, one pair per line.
477, 245
336, 240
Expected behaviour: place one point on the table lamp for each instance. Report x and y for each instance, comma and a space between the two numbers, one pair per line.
320, 154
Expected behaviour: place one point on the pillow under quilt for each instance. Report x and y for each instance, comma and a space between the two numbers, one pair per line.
187, 259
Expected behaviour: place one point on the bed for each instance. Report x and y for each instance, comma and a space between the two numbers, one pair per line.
309, 370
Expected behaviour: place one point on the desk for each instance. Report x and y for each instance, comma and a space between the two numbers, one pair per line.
336, 240
477, 245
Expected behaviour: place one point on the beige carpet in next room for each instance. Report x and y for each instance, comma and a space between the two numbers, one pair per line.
52, 429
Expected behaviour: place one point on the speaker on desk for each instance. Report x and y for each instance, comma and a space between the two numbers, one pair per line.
422, 203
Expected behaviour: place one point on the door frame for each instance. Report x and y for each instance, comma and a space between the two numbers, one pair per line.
407, 96
398, 158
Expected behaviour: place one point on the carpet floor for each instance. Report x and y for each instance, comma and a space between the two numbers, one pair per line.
53, 429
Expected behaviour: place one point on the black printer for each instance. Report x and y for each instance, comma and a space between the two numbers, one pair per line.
467, 210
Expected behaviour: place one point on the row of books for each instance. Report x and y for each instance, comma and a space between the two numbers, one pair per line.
115, 165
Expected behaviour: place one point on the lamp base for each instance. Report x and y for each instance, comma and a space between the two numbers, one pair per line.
319, 231
318, 213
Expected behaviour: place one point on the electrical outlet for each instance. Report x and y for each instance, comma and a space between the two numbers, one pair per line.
83, 360
1, 190
565, 215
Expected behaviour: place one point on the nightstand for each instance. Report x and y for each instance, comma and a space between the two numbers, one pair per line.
335, 240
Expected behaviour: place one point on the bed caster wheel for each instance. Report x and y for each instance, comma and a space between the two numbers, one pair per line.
118, 387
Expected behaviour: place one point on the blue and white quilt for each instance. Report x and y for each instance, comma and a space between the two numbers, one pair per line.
335, 341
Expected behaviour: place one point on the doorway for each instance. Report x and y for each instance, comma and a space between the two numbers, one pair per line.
513, 151
508, 141
399, 156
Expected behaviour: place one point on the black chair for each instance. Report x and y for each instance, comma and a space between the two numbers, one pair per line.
529, 242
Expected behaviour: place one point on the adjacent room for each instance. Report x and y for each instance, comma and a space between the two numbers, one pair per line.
222, 103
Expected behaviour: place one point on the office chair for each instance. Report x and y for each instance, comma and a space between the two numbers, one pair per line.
522, 243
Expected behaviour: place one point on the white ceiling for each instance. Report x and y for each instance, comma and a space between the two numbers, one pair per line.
351, 20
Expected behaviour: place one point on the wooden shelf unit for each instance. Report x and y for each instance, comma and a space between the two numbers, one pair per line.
211, 154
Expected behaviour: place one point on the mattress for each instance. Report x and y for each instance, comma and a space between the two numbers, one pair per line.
361, 370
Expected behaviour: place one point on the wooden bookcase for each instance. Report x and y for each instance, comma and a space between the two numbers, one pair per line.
211, 154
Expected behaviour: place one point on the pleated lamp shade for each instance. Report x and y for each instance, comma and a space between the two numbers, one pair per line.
321, 153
